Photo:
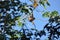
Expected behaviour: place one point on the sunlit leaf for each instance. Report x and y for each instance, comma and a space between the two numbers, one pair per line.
46, 14
50, 14
20, 23
42, 2
54, 13
17, 35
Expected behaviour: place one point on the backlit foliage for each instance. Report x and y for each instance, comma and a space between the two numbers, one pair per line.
15, 12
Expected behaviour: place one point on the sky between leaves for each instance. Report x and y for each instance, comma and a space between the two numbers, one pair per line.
41, 21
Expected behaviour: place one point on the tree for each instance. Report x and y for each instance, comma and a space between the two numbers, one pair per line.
11, 12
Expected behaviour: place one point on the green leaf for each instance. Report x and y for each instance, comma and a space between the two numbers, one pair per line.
24, 10
54, 13
17, 35
46, 14
42, 2
50, 14
20, 23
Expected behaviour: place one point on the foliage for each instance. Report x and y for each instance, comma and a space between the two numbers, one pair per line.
14, 12
50, 14
53, 29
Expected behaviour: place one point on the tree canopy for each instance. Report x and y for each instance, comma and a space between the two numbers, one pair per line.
16, 12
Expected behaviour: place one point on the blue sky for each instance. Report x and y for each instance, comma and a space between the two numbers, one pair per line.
41, 21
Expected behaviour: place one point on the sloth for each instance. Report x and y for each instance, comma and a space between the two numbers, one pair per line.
31, 18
